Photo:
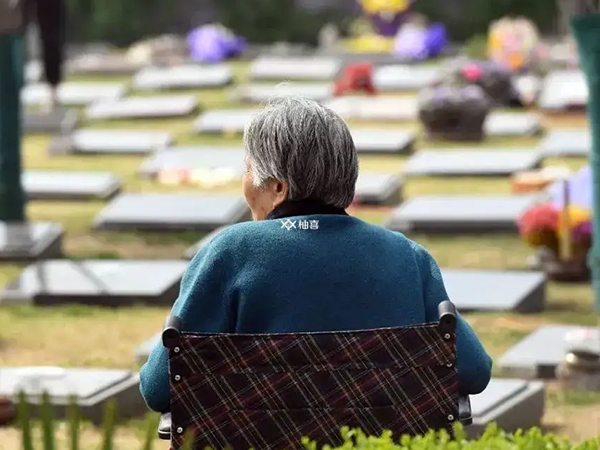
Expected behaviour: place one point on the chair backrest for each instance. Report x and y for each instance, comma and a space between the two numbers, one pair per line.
268, 391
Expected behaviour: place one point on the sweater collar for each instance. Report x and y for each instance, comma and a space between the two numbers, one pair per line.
305, 207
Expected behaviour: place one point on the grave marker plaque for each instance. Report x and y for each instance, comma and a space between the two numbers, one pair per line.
295, 68
195, 158
30, 241
402, 77
375, 109
112, 283
564, 90
378, 189
386, 141
171, 212
182, 77
155, 107
55, 185
566, 142
460, 214
110, 141
72, 93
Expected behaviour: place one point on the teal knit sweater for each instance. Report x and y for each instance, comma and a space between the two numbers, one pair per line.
341, 274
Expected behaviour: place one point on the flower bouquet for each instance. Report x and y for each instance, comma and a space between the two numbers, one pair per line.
561, 228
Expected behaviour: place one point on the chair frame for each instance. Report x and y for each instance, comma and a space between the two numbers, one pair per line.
172, 334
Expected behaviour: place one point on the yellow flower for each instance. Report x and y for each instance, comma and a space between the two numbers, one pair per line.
576, 217
384, 6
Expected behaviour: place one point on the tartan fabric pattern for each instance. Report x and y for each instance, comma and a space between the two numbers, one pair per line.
266, 392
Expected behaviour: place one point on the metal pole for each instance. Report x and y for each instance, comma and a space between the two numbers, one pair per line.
12, 198
586, 28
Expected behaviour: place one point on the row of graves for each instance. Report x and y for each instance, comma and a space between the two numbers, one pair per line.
51, 279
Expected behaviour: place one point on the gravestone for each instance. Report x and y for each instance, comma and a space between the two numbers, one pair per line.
183, 77
171, 212
383, 141
110, 141
155, 107
261, 93
566, 142
102, 64
494, 290
506, 124
59, 121
474, 162
540, 353
460, 214
378, 189
57, 185
30, 241
72, 93
294, 68
193, 158
94, 389
33, 71
113, 283
513, 404
375, 109
402, 77
224, 121
564, 90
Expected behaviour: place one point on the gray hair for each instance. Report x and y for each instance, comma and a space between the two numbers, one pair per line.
300, 141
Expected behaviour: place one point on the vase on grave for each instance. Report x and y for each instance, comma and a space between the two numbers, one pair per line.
563, 228
8, 411
494, 79
580, 368
454, 113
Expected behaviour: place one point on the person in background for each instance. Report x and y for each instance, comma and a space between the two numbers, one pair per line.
50, 16
303, 264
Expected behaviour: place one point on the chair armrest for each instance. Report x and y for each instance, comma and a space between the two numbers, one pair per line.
465, 415
164, 427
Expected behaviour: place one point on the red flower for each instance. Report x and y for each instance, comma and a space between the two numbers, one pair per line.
472, 72
542, 217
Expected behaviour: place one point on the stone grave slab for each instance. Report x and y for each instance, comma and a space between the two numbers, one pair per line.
575, 142
93, 389
564, 90
33, 71
30, 241
375, 109
63, 185
191, 252
171, 212
58, 121
262, 93
154, 107
403, 77
110, 141
295, 68
511, 403
460, 214
378, 189
478, 162
540, 353
111, 283
195, 158
99, 64
72, 93
496, 290
387, 141
528, 86
183, 77
507, 124
224, 121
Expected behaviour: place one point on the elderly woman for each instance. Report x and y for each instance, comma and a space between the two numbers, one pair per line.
304, 264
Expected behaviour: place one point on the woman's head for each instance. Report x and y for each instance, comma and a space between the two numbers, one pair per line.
297, 149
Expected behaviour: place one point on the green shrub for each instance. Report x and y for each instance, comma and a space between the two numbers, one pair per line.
492, 439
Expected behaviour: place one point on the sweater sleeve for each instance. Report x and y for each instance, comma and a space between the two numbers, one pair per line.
474, 365
203, 306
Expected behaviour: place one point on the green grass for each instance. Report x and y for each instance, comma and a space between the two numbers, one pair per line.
95, 337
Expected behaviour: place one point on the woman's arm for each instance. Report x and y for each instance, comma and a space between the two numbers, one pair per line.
203, 306
473, 363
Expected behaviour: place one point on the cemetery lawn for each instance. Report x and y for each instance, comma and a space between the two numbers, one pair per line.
94, 337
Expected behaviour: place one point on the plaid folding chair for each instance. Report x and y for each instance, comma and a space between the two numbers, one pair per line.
236, 391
